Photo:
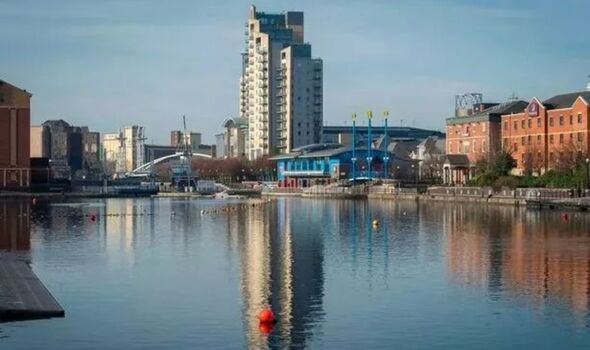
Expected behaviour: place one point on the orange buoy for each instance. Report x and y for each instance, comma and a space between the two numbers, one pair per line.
266, 316
266, 327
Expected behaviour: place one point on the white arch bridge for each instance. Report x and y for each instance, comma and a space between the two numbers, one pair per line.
146, 168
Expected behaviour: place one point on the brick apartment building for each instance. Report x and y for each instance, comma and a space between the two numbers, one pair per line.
15, 120
474, 135
552, 134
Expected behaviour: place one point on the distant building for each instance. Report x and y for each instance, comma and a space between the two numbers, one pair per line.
430, 156
474, 134
193, 139
15, 121
157, 151
280, 86
70, 149
232, 142
343, 134
111, 145
550, 134
124, 150
40, 141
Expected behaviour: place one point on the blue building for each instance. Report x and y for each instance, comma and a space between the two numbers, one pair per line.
331, 162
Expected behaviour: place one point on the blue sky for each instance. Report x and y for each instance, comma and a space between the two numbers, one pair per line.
107, 63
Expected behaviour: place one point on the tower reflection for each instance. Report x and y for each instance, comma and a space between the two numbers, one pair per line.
15, 229
281, 263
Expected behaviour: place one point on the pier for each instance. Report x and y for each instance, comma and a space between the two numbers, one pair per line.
22, 295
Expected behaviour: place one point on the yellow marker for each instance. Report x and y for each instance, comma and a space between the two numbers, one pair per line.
386, 113
369, 114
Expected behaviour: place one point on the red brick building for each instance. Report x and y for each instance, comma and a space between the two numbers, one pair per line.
473, 137
15, 120
552, 134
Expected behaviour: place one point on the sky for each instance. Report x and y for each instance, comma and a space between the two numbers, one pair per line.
111, 63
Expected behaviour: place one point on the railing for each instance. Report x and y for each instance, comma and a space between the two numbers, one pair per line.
518, 193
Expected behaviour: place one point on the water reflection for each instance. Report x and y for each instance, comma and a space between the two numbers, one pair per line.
530, 255
281, 264
15, 229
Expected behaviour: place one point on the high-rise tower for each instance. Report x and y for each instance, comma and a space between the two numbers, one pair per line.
281, 85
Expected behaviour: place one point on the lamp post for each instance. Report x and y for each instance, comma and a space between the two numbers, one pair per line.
587, 173
353, 158
414, 173
386, 141
369, 145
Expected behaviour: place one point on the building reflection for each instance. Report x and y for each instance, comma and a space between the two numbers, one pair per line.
15, 229
281, 258
530, 255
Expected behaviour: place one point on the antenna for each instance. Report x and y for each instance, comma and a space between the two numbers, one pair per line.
588, 84
513, 97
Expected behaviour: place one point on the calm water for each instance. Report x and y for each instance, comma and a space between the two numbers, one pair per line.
155, 274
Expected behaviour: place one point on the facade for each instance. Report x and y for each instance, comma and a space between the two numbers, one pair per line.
477, 136
194, 139
329, 163
276, 52
71, 149
124, 150
343, 134
552, 134
40, 141
152, 152
232, 142
15, 122
91, 150
430, 156
299, 99
111, 145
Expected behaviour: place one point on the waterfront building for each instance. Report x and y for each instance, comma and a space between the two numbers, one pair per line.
474, 134
15, 121
550, 134
281, 85
71, 150
328, 163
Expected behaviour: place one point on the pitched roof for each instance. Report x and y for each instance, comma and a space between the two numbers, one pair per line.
457, 160
566, 100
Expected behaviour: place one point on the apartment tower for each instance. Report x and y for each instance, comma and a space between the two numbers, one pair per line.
281, 85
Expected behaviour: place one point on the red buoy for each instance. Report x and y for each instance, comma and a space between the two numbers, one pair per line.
92, 217
266, 316
266, 327
564, 216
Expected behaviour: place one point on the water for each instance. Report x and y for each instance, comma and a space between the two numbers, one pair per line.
155, 274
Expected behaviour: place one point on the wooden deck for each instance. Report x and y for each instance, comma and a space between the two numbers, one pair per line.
22, 295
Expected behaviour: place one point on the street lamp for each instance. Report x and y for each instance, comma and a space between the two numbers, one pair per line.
414, 174
587, 173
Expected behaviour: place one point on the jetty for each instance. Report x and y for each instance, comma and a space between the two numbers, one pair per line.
22, 295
